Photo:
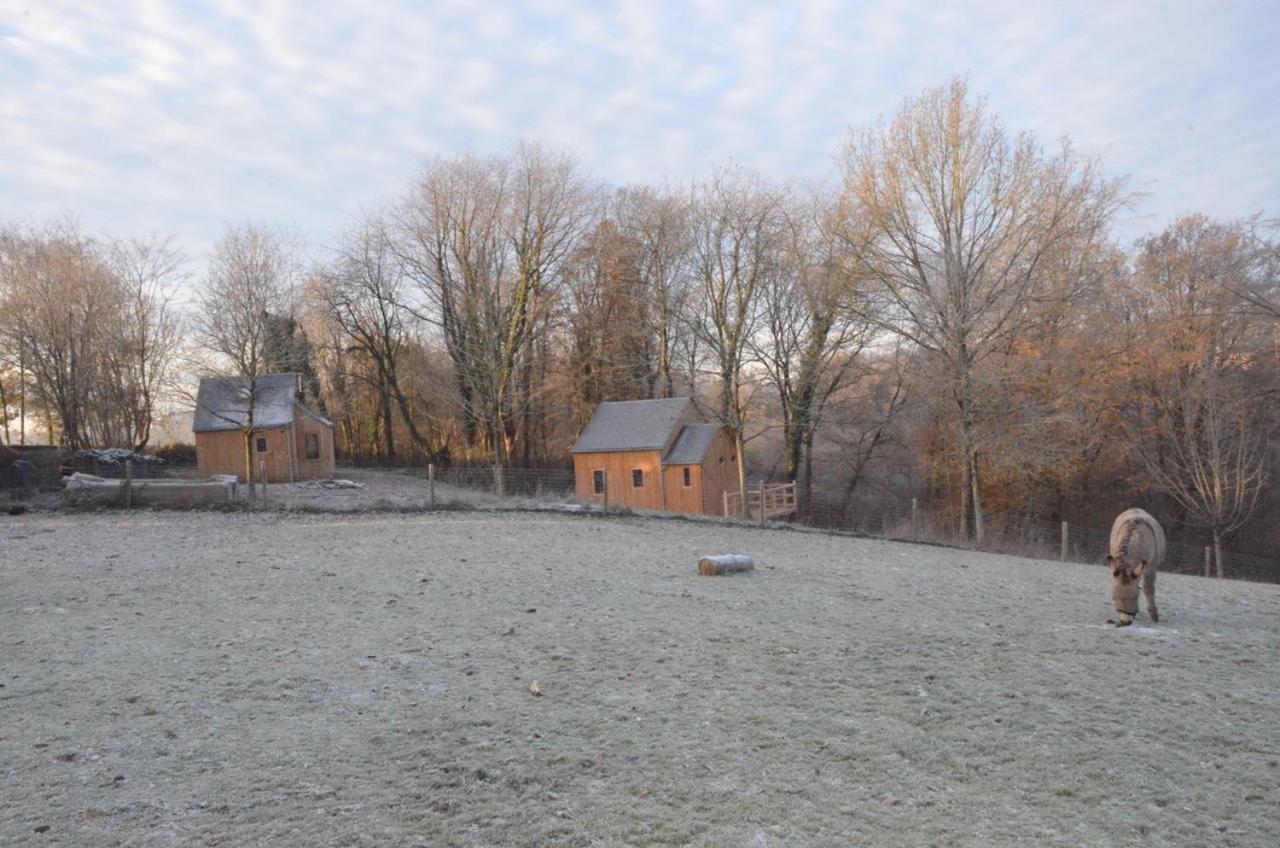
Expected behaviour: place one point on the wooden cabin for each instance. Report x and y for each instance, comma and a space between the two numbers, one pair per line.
655, 454
291, 441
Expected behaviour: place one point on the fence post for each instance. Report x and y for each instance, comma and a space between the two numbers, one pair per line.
1062, 555
915, 519
762, 510
606, 489
262, 480
128, 482
431, 482
726, 504
1207, 571
498, 488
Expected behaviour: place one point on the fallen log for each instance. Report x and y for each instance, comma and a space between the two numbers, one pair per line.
725, 564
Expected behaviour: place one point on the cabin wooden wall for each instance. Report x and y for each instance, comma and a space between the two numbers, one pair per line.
618, 466
313, 469
223, 452
719, 473
682, 498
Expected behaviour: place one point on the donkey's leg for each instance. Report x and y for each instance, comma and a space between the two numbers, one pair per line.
1149, 589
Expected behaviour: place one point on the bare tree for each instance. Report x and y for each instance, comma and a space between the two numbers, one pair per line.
962, 220
485, 241
611, 351
250, 275
658, 225
366, 295
60, 300
738, 233
812, 332
1205, 395
149, 271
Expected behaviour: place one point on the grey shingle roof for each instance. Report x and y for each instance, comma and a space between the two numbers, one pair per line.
633, 425
692, 444
222, 403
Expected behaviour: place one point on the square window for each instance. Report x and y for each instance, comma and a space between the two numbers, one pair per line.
637, 478
262, 444
313, 445
688, 477
597, 481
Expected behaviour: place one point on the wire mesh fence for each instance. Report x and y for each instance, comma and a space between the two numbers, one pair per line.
899, 518
882, 517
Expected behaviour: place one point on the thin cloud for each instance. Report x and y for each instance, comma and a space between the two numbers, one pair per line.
154, 115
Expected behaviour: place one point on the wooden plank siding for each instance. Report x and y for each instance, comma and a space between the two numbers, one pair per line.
305, 422
719, 473
618, 466
708, 481
682, 498
222, 451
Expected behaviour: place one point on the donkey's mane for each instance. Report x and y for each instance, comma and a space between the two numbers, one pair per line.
1129, 527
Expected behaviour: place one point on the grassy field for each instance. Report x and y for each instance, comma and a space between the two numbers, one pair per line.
260, 679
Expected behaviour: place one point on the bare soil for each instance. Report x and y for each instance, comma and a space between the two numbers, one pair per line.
247, 679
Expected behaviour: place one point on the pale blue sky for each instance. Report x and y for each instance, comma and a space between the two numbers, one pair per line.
156, 116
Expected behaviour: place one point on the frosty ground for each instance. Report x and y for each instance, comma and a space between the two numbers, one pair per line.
269, 679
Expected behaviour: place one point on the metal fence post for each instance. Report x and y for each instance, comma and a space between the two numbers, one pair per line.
1062, 555
605, 476
762, 510
497, 480
128, 482
431, 482
1207, 560
915, 518
262, 480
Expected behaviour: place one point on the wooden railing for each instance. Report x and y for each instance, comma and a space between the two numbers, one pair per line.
769, 500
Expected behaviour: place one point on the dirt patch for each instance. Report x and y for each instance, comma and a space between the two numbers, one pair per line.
235, 679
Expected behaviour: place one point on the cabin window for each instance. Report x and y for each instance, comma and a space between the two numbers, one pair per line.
688, 477
313, 445
637, 478
597, 481
262, 444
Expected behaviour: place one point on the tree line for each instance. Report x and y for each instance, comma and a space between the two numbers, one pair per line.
954, 318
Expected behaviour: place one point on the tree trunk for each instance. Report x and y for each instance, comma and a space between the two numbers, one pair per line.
806, 487
248, 460
1217, 553
979, 526
388, 436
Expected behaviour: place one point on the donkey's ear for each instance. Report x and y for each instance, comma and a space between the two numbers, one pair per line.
1141, 567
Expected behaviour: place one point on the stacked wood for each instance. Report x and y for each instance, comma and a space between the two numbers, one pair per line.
725, 564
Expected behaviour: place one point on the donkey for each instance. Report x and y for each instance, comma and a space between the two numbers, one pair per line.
1137, 549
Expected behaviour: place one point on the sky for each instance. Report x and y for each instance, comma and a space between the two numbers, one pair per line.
184, 118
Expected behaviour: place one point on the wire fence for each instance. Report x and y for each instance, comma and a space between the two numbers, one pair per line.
874, 516
889, 518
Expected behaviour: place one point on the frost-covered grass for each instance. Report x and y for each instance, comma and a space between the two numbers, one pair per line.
268, 679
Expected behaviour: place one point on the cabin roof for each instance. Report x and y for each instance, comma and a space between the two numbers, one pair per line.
632, 425
222, 403
692, 444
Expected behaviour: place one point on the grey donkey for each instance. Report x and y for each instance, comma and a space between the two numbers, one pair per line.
1137, 549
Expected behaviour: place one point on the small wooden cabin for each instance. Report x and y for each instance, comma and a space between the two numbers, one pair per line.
293, 442
655, 454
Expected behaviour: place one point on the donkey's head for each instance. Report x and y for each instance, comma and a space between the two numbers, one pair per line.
1125, 577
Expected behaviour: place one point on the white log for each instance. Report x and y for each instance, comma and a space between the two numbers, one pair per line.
725, 564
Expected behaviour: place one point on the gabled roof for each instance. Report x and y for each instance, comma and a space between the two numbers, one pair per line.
692, 444
222, 403
632, 425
